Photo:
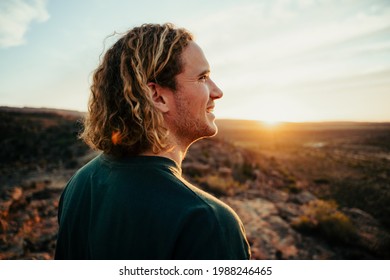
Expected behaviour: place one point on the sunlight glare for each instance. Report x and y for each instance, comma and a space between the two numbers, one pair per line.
271, 123
275, 109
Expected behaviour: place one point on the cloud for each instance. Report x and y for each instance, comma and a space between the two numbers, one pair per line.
282, 42
298, 51
16, 16
278, 31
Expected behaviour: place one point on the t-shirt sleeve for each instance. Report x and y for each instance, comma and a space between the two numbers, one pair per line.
208, 233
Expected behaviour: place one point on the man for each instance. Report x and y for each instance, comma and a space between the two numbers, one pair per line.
151, 98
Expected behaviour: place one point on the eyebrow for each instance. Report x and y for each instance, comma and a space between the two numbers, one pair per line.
205, 72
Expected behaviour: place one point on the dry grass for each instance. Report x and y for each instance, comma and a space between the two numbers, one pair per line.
325, 218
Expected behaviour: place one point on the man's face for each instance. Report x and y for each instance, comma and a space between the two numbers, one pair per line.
193, 116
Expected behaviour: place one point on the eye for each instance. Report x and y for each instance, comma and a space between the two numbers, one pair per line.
203, 78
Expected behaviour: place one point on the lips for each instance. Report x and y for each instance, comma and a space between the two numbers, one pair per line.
210, 109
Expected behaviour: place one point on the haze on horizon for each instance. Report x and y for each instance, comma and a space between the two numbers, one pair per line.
282, 60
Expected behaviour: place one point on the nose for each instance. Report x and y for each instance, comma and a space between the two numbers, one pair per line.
215, 91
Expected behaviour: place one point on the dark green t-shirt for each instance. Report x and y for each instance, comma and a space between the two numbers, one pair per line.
142, 208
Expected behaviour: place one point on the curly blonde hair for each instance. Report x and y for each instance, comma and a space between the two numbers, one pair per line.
122, 119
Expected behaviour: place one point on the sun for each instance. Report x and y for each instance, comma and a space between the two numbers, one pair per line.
273, 114
276, 109
271, 123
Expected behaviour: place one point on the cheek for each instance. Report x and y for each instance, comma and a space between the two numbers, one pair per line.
195, 100
200, 104
203, 96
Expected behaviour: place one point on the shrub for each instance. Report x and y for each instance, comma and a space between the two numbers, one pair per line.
244, 171
292, 188
324, 217
221, 186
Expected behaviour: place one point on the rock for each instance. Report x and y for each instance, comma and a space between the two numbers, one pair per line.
225, 171
269, 231
271, 236
275, 195
289, 211
370, 234
270, 193
302, 197
28, 221
284, 239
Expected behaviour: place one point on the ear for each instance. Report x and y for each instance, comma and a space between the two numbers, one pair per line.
159, 96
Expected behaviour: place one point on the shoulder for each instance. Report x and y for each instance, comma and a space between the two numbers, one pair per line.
211, 230
214, 207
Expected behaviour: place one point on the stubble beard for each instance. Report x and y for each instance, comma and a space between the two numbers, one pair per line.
189, 129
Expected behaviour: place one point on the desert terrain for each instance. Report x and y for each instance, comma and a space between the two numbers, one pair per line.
302, 190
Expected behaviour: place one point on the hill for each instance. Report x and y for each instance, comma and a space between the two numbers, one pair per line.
298, 199
37, 140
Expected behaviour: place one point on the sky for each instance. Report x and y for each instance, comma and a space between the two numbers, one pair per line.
275, 60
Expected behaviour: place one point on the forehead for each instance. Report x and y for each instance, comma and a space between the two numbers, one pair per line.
194, 60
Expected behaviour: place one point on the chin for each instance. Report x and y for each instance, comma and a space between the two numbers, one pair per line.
213, 129
211, 121
209, 129
194, 129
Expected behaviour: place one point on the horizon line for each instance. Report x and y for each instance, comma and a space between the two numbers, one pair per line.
265, 122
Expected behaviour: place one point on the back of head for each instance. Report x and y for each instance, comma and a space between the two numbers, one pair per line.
122, 119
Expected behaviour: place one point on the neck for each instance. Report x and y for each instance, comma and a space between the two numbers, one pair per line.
175, 153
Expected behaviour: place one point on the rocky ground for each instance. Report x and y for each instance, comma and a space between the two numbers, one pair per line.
28, 225
283, 219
